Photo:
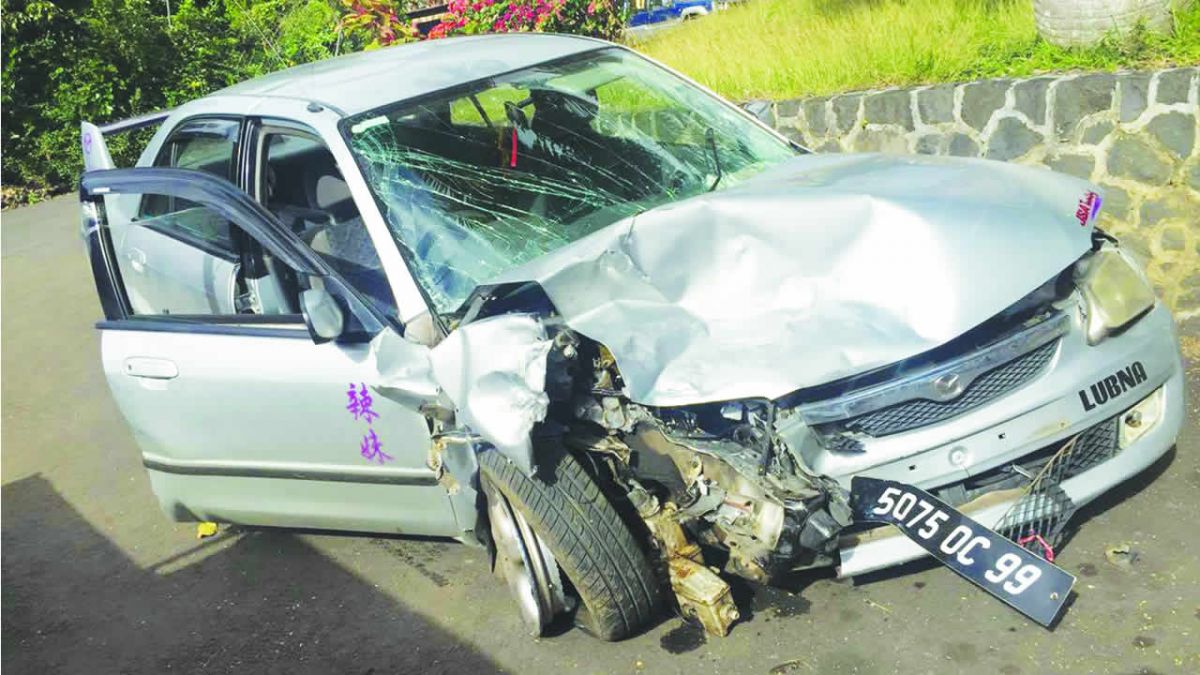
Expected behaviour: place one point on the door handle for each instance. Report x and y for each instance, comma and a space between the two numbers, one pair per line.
137, 260
154, 369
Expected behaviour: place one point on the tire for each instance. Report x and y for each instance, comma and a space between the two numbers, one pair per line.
591, 543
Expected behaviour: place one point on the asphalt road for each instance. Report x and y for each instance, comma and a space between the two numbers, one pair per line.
97, 580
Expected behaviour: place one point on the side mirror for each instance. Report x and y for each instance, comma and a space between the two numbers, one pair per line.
760, 109
321, 314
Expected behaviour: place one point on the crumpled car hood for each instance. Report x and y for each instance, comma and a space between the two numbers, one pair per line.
817, 269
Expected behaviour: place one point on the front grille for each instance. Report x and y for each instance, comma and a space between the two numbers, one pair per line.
1044, 508
1039, 519
923, 412
1093, 445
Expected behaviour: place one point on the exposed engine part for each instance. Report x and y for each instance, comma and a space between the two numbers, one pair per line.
562, 366
820, 531
669, 535
703, 596
744, 502
605, 367
607, 411
744, 435
717, 474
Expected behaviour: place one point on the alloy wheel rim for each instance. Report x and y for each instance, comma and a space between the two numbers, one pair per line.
528, 566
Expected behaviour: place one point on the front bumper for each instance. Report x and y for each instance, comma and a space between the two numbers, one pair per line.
1046, 411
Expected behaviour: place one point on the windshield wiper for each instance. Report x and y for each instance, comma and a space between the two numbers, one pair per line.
711, 139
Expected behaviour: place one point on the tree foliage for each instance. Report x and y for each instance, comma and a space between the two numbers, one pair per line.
377, 21
71, 60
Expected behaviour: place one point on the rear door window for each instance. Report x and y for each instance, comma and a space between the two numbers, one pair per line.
205, 144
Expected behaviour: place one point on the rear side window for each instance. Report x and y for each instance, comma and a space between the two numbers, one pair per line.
204, 145
207, 144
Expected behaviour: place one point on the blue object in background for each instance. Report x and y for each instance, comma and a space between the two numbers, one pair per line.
666, 10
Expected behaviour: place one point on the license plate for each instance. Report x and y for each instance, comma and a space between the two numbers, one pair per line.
1026, 582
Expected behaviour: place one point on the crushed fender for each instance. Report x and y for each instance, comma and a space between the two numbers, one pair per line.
491, 372
494, 372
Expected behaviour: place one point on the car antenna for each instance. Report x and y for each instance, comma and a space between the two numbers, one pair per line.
711, 139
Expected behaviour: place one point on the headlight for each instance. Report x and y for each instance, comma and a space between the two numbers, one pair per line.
1115, 289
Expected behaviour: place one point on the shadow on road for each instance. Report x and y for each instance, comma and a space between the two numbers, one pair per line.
260, 601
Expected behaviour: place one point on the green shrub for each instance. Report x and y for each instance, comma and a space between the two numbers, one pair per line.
376, 23
102, 60
99, 60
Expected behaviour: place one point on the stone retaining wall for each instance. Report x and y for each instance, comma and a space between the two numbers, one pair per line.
1133, 133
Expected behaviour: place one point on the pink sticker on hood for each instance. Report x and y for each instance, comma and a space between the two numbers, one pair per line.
1089, 207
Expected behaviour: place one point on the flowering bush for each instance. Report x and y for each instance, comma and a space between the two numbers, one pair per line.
376, 21
596, 18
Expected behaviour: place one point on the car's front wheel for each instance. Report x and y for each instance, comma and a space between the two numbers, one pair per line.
560, 518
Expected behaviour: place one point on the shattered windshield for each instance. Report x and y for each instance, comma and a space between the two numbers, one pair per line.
479, 180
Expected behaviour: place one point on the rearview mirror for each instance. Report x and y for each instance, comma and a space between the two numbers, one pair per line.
760, 109
321, 314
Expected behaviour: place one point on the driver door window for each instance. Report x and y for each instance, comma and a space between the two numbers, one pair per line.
299, 181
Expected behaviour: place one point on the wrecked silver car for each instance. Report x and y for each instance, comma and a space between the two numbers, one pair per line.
541, 294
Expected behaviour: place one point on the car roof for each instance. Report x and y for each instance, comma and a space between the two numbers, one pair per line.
362, 81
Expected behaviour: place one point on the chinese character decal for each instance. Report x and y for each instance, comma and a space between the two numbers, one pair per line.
372, 450
358, 404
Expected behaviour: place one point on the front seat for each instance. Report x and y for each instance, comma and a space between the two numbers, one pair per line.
345, 243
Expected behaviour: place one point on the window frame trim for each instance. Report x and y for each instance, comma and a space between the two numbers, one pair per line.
154, 324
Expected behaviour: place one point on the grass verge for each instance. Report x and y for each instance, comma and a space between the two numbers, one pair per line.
793, 48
